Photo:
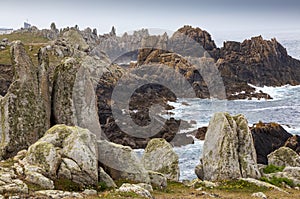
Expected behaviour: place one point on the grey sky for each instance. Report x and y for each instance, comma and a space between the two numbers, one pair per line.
216, 16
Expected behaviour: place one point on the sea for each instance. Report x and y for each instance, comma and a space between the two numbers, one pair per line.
284, 109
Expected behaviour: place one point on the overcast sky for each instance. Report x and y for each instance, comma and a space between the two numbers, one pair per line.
216, 16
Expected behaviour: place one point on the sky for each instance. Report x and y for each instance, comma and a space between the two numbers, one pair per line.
219, 17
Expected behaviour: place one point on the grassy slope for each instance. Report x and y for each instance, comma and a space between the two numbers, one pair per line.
28, 39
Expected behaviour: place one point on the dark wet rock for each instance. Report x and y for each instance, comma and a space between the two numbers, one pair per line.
267, 138
293, 143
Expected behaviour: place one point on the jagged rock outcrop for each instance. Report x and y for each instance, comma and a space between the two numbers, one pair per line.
195, 42
228, 151
285, 157
259, 62
159, 156
267, 138
24, 109
121, 162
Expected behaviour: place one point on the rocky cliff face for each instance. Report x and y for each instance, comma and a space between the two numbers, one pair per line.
259, 62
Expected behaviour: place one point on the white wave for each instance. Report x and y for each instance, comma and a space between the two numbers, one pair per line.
277, 93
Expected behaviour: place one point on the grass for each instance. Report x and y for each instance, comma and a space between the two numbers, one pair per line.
28, 39
67, 185
279, 182
240, 186
272, 169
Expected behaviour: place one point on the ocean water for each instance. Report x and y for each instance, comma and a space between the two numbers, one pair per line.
284, 108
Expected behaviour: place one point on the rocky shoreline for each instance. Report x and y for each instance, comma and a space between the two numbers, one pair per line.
60, 136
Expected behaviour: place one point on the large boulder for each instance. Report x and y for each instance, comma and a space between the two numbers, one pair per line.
24, 108
121, 162
159, 156
228, 151
74, 99
65, 152
267, 138
284, 156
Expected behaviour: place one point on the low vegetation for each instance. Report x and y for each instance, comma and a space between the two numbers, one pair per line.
279, 182
272, 169
32, 45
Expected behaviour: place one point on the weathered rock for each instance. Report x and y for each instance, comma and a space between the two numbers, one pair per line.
259, 195
89, 192
158, 179
9, 184
259, 62
284, 156
45, 156
74, 98
293, 143
39, 179
135, 189
56, 194
75, 39
199, 171
267, 138
104, 177
68, 152
159, 156
23, 109
228, 151
121, 162
200, 133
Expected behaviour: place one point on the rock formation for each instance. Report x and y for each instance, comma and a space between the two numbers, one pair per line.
267, 138
65, 152
121, 162
160, 157
285, 157
228, 151
24, 108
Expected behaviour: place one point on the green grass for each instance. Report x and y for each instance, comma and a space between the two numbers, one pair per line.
67, 185
279, 182
240, 186
272, 169
26, 38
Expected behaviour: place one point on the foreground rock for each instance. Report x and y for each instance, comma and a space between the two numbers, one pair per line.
267, 138
64, 152
159, 156
24, 111
135, 189
285, 157
74, 97
121, 162
228, 151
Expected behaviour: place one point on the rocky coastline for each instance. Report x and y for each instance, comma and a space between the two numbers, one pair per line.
60, 138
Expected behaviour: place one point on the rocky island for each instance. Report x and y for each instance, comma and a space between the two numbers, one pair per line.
66, 133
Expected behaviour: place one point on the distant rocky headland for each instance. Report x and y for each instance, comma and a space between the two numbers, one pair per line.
58, 109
